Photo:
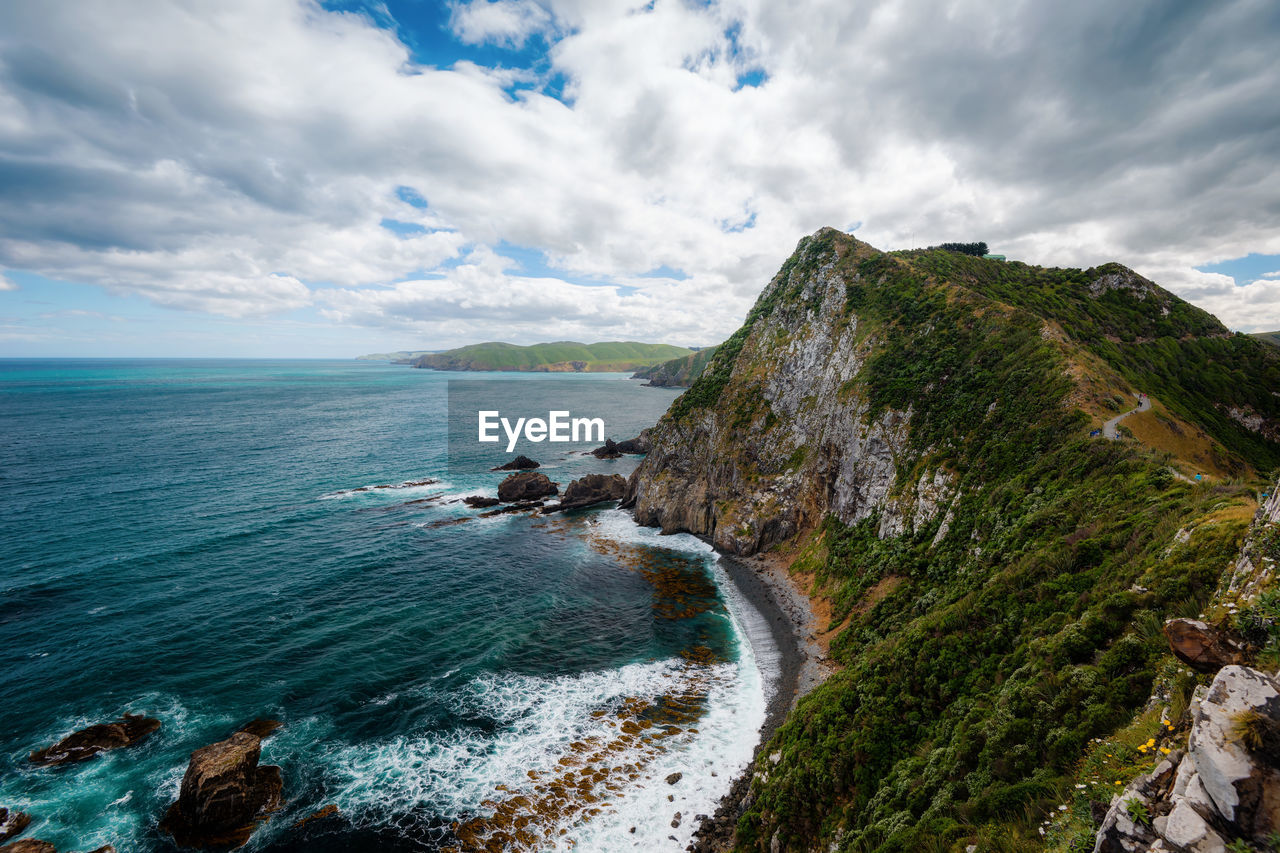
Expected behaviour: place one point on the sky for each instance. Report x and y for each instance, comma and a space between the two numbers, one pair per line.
277, 178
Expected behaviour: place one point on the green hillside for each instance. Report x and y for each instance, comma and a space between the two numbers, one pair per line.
986, 631
556, 357
678, 372
1272, 338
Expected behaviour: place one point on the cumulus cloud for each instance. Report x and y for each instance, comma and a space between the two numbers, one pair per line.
505, 22
245, 157
7, 283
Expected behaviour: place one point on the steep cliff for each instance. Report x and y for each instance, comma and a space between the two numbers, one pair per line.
678, 372
914, 430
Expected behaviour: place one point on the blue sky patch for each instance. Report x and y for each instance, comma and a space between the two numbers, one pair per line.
1245, 270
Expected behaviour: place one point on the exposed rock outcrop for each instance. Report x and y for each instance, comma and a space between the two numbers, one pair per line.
1225, 788
86, 743
520, 463
1255, 568
1203, 647
12, 823
480, 501
224, 793
592, 489
29, 845
790, 437
526, 486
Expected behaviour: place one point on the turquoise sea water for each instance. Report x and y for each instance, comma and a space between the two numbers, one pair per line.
186, 539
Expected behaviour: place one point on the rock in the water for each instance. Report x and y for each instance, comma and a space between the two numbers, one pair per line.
224, 793
87, 743
639, 444
1201, 646
593, 489
262, 727
674, 778
608, 451
29, 845
328, 811
520, 463
12, 823
480, 501
525, 486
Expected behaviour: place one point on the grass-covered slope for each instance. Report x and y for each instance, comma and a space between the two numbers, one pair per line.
678, 372
560, 356
1272, 338
983, 648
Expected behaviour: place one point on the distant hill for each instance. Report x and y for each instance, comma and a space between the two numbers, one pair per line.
555, 357
678, 372
1272, 338
400, 357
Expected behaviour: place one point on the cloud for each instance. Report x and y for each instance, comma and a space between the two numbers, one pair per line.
241, 158
509, 23
7, 283
1275, 274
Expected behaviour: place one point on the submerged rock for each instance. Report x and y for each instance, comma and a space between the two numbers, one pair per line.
520, 463
224, 793
592, 489
1203, 647
12, 823
526, 486
86, 743
480, 501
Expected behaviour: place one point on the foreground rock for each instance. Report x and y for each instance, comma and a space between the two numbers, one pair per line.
12, 823
1225, 789
592, 489
526, 486
262, 727
480, 501
520, 463
1203, 647
86, 743
29, 845
224, 793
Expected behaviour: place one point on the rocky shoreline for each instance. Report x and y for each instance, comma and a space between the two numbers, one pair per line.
764, 581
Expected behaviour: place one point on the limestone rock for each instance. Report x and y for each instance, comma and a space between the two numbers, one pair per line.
1201, 646
86, 743
525, 486
224, 793
1244, 789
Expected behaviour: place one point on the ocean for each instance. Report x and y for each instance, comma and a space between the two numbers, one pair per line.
209, 542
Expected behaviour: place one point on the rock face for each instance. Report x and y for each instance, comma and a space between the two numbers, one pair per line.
791, 436
12, 823
86, 743
520, 463
526, 486
223, 794
1224, 789
1255, 568
593, 489
1203, 647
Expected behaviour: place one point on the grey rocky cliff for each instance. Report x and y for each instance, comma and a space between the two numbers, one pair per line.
791, 438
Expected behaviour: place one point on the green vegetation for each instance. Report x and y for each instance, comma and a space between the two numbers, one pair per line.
561, 356
1272, 338
977, 671
976, 249
678, 372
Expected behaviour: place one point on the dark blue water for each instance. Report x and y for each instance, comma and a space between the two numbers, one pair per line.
185, 539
